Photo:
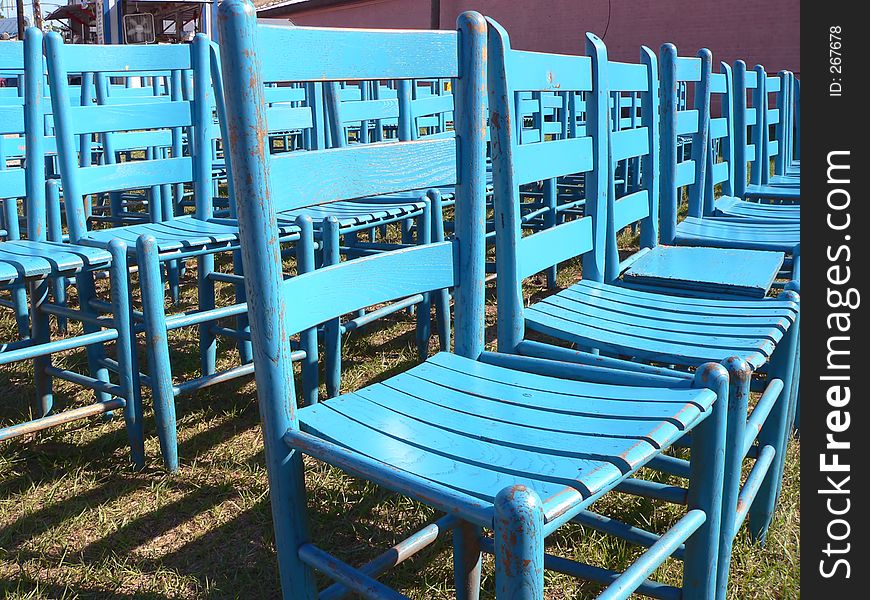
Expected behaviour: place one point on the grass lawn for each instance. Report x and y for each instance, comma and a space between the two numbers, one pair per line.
77, 522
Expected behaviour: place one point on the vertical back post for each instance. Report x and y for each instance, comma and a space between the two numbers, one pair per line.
261, 254
649, 231
470, 119
701, 138
34, 128
761, 164
740, 139
598, 181
505, 135
670, 200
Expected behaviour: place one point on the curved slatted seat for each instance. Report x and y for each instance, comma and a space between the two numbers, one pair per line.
731, 206
353, 213
662, 327
28, 259
724, 233
179, 233
479, 428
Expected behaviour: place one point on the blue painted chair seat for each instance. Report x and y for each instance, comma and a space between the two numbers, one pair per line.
732, 206
747, 273
459, 424
661, 327
176, 234
774, 191
27, 259
352, 213
789, 178
726, 232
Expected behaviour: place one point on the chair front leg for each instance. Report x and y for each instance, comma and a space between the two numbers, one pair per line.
518, 525
157, 349
41, 336
128, 367
776, 431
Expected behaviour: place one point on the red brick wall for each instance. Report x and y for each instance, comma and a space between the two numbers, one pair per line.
758, 31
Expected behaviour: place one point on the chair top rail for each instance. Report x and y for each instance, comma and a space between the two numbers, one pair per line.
126, 60
356, 54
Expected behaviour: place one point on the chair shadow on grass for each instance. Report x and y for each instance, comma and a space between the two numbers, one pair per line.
213, 537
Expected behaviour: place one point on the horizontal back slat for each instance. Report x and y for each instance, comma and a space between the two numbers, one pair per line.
545, 160
130, 140
11, 119
687, 122
136, 174
751, 118
360, 110
13, 146
551, 100
126, 117
718, 83
12, 56
629, 143
688, 68
137, 99
631, 208
534, 71
751, 80
83, 58
431, 105
283, 117
627, 77
553, 245
720, 172
284, 94
718, 128
750, 152
773, 146
361, 170
773, 83
685, 173
356, 54
12, 183
772, 116
320, 295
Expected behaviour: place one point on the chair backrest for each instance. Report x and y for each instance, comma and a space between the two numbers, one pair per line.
156, 87
192, 112
434, 157
682, 123
25, 180
778, 116
796, 122
424, 106
721, 137
749, 104
266, 184
633, 141
515, 77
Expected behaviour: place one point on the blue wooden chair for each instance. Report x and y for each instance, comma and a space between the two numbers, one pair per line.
35, 262
603, 320
154, 246
459, 431
327, 121
696, 174
721, 162
764, 129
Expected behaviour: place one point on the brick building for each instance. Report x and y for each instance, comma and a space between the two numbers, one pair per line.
766, 31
